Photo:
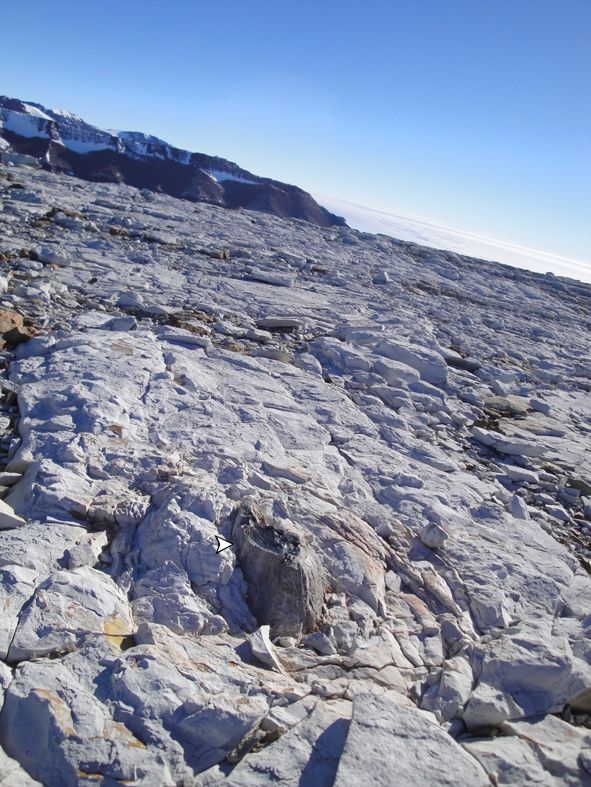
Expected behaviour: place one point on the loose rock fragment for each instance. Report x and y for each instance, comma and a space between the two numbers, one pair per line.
262, 648
434, 536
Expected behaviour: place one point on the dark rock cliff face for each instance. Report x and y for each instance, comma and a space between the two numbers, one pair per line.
63, 142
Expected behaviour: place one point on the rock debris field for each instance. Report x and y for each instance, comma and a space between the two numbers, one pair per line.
394, 440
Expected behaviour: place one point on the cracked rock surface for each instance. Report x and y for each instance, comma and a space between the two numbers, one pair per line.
394, 439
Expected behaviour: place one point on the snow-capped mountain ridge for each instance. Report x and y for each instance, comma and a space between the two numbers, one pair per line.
64, 142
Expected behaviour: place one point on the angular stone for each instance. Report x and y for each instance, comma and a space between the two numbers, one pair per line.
428, 363
448, 697
320, 643
8, 519
520, 474
433, 535
518, 507
263, 650
17, 585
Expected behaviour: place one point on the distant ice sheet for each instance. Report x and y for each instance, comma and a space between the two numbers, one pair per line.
422, 231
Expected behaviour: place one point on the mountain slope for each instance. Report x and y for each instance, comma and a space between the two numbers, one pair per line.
63, 142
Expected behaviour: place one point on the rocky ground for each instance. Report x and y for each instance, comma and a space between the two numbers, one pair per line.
395, 440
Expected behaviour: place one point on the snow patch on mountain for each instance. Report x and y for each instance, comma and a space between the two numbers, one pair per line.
26, 125
222, 175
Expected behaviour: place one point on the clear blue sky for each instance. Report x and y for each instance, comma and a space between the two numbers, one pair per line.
474, 113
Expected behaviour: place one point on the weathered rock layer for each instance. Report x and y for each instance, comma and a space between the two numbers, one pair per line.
395, 442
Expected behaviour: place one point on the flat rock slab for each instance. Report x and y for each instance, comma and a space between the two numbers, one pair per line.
540, 750
65, 608
8, 519
56, 729
308, 754
388, 744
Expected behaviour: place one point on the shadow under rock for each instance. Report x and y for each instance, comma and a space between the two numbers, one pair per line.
321, 768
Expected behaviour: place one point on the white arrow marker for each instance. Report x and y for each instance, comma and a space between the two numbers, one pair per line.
222, 544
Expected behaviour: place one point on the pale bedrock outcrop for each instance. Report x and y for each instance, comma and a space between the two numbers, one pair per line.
542, 749
67, 607
428, 362
432, 571
60, 733
207, 701
309, 751
389, 744
523, 675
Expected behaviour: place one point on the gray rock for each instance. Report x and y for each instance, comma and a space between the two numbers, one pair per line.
87, 552
8, 519
542, 750
539, 406
8, 479
520, 474
518, 507
306, 754
448, 697
320, 643
557, 512
393, 581
460, 362
508, 445
59, 731
164, 595
67, 607
428, 363
206, 698
120, 324
283, 717
381, 277
277, 278
395, 372
391, 744
434, 536
582, 484
17, 585
38, 546
523, 676
279, 323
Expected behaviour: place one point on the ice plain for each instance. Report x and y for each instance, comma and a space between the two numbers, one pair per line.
395, 440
